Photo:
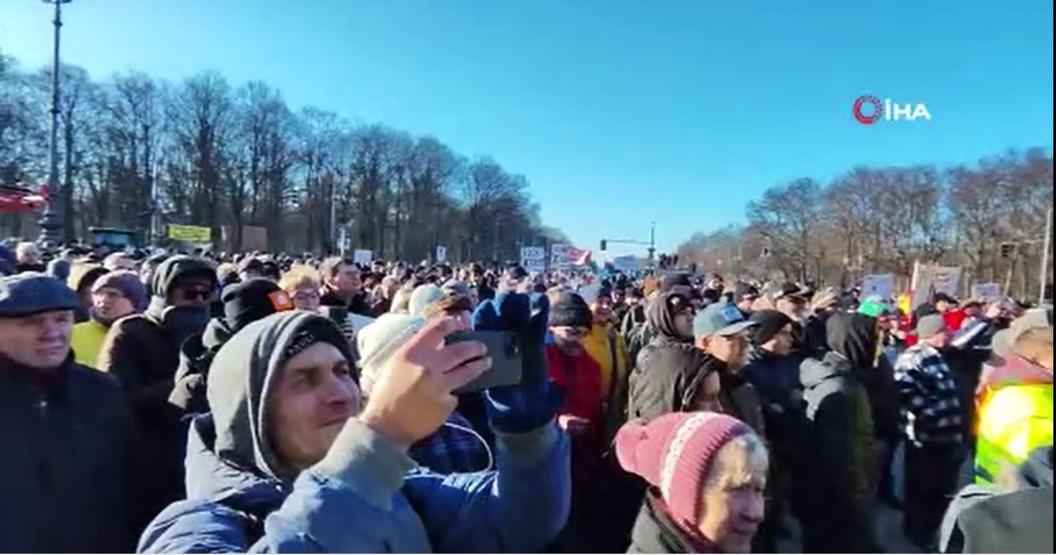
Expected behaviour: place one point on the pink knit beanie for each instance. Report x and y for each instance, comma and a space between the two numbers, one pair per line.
673, 452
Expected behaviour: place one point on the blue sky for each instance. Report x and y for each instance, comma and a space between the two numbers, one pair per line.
618, 112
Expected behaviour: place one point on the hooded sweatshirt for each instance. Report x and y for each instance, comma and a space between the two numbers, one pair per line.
244, 303
838, 484
142, 351
363, 496
670, 368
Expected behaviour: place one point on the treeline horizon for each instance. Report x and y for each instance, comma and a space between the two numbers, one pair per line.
217, 155
988, 217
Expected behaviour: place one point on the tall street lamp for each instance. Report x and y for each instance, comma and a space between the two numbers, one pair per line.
53, 220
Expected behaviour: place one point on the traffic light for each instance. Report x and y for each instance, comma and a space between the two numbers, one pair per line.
1007, 249
604, 244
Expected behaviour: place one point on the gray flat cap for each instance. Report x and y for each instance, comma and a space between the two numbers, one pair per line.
31, 293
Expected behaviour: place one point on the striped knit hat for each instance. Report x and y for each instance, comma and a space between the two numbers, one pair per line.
674, 452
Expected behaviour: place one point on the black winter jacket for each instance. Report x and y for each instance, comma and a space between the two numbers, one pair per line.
70, 472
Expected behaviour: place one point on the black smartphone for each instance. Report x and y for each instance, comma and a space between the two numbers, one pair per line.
505, 351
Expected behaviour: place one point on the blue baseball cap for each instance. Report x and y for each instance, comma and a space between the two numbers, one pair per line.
722, 319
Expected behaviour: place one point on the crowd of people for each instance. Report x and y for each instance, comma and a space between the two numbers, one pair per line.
185, 402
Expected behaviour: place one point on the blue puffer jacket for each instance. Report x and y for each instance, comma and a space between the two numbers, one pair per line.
369, 498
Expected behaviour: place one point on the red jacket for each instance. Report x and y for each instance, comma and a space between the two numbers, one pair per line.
580, 377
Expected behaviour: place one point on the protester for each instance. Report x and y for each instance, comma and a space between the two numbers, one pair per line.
574, 371
774, 373
244, 303
1013, 517
326, 476
940, 303
792, 301
59, 268
82, 276
401, 301
118, 261
706, 475
836, 492
620, 306
69, 475
609, 350
1015, 414
147, 269
271, 271
634, 328
227, 274
455, 446
301, 284
423, 296
479, 280
28, 258
823, 304
931, 424
143, 352
671, 374
114, 296
744, 296
772, 369
342, 286
384, 294
879, 382
249, 268
722, 333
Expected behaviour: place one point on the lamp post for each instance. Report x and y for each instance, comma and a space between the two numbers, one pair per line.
1046, 245
53, 219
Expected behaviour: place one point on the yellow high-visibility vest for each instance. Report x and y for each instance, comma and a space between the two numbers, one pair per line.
1013, 421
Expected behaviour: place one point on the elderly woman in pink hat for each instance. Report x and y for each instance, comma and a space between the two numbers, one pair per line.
706, 472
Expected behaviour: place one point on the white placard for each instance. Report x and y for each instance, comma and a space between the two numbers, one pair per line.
928, 280
441, 255
878, 285
945, 279
625, 264
362, 256
533, 259
987, 291
559, 256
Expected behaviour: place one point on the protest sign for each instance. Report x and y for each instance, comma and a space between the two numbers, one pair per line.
189, 233
625, 264
881, 286
362, 256
987, 291
533, 259
559, 256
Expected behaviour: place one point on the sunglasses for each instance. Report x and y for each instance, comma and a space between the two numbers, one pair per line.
197, 293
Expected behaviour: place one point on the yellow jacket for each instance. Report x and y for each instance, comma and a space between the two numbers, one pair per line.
87, 340
1013, 421
609, 350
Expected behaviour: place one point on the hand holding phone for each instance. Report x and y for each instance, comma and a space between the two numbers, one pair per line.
503, 348
574, 425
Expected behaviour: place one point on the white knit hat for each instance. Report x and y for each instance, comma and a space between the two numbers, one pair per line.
379, 340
